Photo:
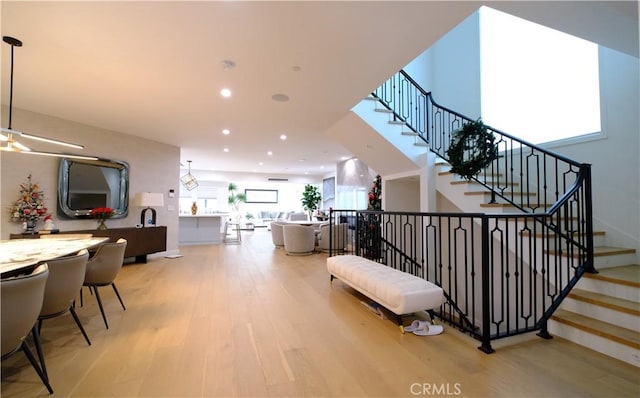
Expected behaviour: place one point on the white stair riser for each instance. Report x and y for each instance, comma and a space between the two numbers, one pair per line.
616, 260
610, 289
603, 314
602, 262
598, 240
602, 345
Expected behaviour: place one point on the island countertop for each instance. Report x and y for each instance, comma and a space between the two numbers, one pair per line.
204, 215
201, 229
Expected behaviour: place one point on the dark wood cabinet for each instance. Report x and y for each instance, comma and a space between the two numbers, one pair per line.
140, 241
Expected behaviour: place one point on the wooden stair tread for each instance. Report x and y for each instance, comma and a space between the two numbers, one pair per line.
628, 275
506, 193
498, 182
600, 251
496, 205
603, 300
552, 234
608, 331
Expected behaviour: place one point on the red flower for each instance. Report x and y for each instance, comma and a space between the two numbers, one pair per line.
102, 212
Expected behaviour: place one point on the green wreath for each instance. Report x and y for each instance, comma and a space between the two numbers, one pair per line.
472, 149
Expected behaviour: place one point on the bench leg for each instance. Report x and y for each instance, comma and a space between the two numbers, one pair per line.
433, 317
332, 278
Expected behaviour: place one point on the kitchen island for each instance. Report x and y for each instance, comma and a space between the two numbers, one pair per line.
201, 229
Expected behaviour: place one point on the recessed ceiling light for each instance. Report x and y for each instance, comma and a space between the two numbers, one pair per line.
280, 97
322, 166
226, 149
301, 160
269, 153
226, 132
260, 163
283, 137
225, 92
344, 157
306, 172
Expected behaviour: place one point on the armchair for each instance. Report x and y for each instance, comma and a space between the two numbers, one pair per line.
333, 237
299, 239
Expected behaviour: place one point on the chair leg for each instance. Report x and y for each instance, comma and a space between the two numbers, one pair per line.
34, 363
104, 317
42, 368
118, 294
75, 318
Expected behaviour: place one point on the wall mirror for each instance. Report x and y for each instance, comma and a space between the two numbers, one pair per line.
87, 184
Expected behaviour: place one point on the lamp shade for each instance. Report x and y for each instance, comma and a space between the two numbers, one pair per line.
148, 199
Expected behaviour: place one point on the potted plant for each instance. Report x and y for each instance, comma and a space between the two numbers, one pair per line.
235, 200
249, 223
310, 199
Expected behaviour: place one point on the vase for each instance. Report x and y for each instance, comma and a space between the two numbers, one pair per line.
30, 227
194, 209
101, 224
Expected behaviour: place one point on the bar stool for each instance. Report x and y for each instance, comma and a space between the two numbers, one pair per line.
229, 228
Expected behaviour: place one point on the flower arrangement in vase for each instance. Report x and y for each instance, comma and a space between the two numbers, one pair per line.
101, 214
30, 207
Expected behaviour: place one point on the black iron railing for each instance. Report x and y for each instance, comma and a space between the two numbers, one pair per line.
502, 274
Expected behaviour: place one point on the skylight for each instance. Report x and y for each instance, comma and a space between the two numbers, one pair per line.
537, 83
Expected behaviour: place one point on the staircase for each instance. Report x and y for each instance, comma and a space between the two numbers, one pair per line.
602, 312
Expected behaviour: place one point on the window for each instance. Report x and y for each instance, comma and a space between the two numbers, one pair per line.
537, 83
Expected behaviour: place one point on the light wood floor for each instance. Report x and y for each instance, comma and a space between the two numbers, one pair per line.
247, 320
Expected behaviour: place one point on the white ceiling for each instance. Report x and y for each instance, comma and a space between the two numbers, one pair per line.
154, 69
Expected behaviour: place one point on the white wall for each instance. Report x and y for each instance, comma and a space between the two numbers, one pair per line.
154, 167
614, 158
402, 194
452, 71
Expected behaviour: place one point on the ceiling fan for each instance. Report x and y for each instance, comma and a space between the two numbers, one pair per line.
8, 135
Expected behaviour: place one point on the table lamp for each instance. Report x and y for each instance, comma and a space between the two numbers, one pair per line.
148, 200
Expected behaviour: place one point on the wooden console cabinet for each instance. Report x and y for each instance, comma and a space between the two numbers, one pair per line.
140, 241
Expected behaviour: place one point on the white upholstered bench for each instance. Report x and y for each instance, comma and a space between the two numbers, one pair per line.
397, 291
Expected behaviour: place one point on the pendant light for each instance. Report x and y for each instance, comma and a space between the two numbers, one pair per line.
8, 136
188, 180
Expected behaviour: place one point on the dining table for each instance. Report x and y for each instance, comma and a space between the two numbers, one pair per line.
18, 256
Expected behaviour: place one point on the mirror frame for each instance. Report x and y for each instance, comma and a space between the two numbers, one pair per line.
121, 211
